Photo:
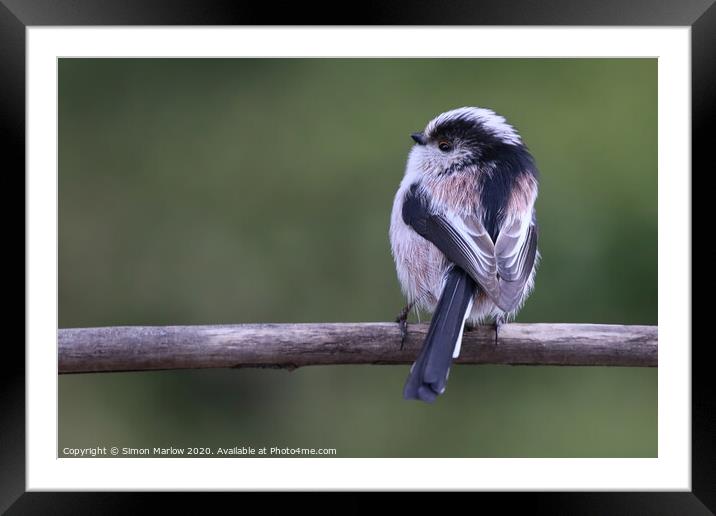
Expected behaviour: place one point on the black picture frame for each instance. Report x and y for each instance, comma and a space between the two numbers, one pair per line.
16, 15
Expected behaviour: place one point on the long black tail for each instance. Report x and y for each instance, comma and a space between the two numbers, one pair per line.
428, 375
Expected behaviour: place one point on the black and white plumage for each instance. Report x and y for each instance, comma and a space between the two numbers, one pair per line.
463, 233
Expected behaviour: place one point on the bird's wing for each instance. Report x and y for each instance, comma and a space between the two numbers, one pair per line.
465, 243
516, 252
501, 269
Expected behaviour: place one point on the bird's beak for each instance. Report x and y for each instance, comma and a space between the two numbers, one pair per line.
419, 138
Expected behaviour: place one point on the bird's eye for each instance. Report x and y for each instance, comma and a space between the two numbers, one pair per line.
444, 146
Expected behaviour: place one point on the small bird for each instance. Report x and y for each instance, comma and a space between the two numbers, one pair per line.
463, 233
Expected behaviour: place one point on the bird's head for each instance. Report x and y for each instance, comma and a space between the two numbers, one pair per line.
461, 139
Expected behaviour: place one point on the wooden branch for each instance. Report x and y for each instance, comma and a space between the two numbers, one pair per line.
141, 348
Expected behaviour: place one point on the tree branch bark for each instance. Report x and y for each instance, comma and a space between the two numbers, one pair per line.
143, 348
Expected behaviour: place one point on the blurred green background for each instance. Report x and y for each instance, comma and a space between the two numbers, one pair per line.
201, 191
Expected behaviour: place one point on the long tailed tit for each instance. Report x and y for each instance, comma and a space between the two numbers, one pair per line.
463, 232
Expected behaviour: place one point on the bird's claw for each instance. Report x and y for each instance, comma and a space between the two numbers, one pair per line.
499, 321
403, 332
402, 321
